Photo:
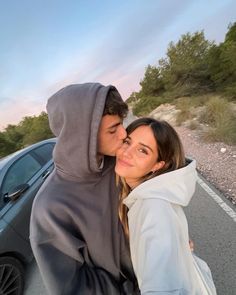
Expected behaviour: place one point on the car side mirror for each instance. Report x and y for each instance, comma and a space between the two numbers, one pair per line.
16, 192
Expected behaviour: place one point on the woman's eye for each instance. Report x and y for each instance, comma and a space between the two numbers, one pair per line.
126, 141
143, 151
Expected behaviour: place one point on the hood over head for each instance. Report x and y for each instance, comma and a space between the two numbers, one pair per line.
176, 187
74, 115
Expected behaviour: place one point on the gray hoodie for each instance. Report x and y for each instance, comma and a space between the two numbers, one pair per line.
75, 232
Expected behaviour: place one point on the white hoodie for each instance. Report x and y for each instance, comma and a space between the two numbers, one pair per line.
159, 240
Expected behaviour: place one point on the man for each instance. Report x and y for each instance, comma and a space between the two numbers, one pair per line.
75, 233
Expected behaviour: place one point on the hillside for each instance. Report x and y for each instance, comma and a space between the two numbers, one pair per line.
216, 161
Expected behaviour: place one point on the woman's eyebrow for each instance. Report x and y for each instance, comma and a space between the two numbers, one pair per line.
142, 144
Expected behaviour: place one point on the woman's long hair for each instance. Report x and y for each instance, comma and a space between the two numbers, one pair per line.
169, 149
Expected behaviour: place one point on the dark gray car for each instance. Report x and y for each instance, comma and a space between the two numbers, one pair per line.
21, 175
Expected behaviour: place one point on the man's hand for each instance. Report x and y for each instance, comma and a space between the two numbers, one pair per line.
191, 245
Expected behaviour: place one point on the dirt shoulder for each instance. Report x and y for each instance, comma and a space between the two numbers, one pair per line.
215, 161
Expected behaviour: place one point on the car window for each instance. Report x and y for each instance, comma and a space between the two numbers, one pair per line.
20, 172
44, 152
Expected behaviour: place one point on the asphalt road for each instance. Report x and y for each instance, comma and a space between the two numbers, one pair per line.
214, 235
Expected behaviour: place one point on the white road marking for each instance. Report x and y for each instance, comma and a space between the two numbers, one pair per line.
217, 199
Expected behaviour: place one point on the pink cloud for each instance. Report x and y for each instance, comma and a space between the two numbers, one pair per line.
13, 111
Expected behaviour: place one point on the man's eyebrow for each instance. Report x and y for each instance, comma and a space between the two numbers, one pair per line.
114, 125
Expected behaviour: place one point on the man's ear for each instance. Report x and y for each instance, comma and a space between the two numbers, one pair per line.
158, 166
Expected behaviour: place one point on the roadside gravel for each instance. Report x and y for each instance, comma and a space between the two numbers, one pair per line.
215, 161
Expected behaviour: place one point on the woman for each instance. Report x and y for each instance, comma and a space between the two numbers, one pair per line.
156, 183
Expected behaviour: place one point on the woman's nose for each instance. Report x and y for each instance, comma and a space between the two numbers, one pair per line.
127, 151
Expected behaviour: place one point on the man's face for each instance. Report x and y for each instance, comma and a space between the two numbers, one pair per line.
110, 135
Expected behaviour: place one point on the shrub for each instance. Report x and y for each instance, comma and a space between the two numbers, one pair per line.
224, 130
193, 125
230, 91
220, 116
147, 104
184, 105
215, 108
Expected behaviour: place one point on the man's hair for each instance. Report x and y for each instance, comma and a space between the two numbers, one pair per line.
115, 105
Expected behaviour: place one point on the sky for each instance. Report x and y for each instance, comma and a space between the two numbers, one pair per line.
48, 44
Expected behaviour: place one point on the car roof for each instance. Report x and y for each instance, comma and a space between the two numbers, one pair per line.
17, 154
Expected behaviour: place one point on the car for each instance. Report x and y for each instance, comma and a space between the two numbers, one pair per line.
21, 175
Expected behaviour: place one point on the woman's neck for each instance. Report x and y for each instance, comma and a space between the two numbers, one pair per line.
132, 183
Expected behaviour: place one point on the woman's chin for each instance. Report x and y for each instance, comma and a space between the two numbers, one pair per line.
119, 171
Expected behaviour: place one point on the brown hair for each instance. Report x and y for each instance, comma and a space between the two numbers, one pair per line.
115, 105
169, 149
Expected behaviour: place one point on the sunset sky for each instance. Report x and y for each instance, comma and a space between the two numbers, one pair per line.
47, 44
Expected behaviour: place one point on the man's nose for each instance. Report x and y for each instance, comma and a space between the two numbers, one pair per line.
122, 132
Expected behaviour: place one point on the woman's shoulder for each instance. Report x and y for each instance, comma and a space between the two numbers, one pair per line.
152, 208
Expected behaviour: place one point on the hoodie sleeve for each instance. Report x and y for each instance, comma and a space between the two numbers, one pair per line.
61, 255
154, 248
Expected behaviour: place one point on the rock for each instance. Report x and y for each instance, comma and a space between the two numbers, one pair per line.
165, 112
223, 150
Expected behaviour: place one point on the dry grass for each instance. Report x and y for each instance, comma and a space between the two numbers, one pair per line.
218, 113
193, 125
220, 116
184, 104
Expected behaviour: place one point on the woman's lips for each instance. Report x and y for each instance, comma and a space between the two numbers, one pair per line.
124, 163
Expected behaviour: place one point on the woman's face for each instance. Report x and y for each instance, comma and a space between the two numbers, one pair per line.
137, 156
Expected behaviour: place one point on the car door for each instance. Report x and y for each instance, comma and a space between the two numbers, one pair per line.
31, 169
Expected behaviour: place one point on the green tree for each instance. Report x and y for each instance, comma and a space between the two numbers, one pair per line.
231, 34
148, 103
133, 98
185, 69
35, 129
6, 146
28, 131
152, 83
14, 135
222, 63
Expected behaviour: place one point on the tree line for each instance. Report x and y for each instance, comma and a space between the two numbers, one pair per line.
30, 130
192, 66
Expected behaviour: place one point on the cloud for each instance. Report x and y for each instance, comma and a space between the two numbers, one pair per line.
13, 110
120, 57
125, 42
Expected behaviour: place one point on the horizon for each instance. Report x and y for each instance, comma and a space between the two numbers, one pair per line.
48, 45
